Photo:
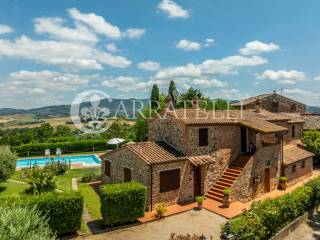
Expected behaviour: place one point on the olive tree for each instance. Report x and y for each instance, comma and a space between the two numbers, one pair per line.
7, 163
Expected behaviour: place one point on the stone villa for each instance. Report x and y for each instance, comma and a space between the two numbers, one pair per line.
192, 152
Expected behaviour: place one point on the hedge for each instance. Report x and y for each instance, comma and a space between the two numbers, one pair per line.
122, 203
266, 218
66, 147
63, 210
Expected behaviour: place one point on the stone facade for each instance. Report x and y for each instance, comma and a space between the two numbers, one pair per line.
186, 191
301, 172
167, 130
278, 103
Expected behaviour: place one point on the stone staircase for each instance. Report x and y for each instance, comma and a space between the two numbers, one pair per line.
228, 177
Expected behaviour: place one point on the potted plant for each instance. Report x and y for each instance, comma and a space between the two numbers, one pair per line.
226, 197
199, 200
283, 182
160, 210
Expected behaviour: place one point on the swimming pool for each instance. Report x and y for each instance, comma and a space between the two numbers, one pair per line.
86, 160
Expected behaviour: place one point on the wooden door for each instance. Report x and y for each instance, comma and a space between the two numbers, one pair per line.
243, 139
127, 174
267, 180
197, 181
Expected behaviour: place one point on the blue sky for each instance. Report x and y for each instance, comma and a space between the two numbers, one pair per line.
52, 50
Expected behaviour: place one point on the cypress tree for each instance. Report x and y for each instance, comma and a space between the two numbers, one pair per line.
155, 96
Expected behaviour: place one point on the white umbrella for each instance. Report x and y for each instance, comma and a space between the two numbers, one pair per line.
115, 141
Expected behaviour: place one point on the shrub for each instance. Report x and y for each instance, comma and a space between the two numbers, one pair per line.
7, 163
227, 192
122, 203
160, 209
57, 167
90, 176
23, 223
63, 210
283, 178
265, 218
200, 199
41, 180
66, 147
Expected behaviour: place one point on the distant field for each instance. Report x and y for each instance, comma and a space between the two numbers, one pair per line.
29, 121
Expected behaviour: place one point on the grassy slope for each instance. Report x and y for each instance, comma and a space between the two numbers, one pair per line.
11, 188
91, 200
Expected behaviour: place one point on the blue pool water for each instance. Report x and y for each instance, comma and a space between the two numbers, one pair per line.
86, 160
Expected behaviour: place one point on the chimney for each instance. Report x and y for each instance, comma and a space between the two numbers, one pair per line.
257, 105
196, 103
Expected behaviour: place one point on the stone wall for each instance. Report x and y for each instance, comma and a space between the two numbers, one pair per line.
284, 104
186, 191
167, 130
223, 146
245, 188
298, 130
300, 173
122, 158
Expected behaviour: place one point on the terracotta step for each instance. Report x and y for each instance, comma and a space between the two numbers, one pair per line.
235, 171
226, 185
226, 180
230, 177
219, 186
236, 168
231, 174
215, 190
218, 199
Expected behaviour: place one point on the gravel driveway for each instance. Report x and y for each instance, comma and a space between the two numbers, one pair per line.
192, 222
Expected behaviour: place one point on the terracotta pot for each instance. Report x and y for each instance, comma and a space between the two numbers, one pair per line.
199, 205
283, 184
226, 201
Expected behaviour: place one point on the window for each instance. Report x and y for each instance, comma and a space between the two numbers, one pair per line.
303, 164
169, 180
294, 168
293, 108
127, 174
293, 131
203, 137
107, 168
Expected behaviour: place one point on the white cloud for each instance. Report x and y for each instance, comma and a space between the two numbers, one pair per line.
304, 96
228, 94
97, 23
317, 78
5, 29
134, 33
297, 91
149, 65
111, 47
55, 81
54, 27
283, 76
173, 9
210, 67
256, 47
126, 84
208, 83
187, 45
64, 54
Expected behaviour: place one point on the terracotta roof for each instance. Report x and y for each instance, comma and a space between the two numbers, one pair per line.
248, 118
250, 100
201, 160
155, 152
259, 97
292, 154
263, 126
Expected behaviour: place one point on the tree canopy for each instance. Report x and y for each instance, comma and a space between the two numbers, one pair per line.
7, 163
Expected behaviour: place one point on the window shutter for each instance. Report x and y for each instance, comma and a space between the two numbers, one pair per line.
107, 168
203, 137
169, 180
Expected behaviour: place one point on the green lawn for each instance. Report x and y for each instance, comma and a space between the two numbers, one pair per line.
12, 188
91, 200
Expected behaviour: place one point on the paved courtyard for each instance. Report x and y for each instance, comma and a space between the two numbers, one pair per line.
309, 230
192, 222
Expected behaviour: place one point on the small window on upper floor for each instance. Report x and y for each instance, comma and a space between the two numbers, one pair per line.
203, 136
293, 107
293, 131
303, 164
294, 168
